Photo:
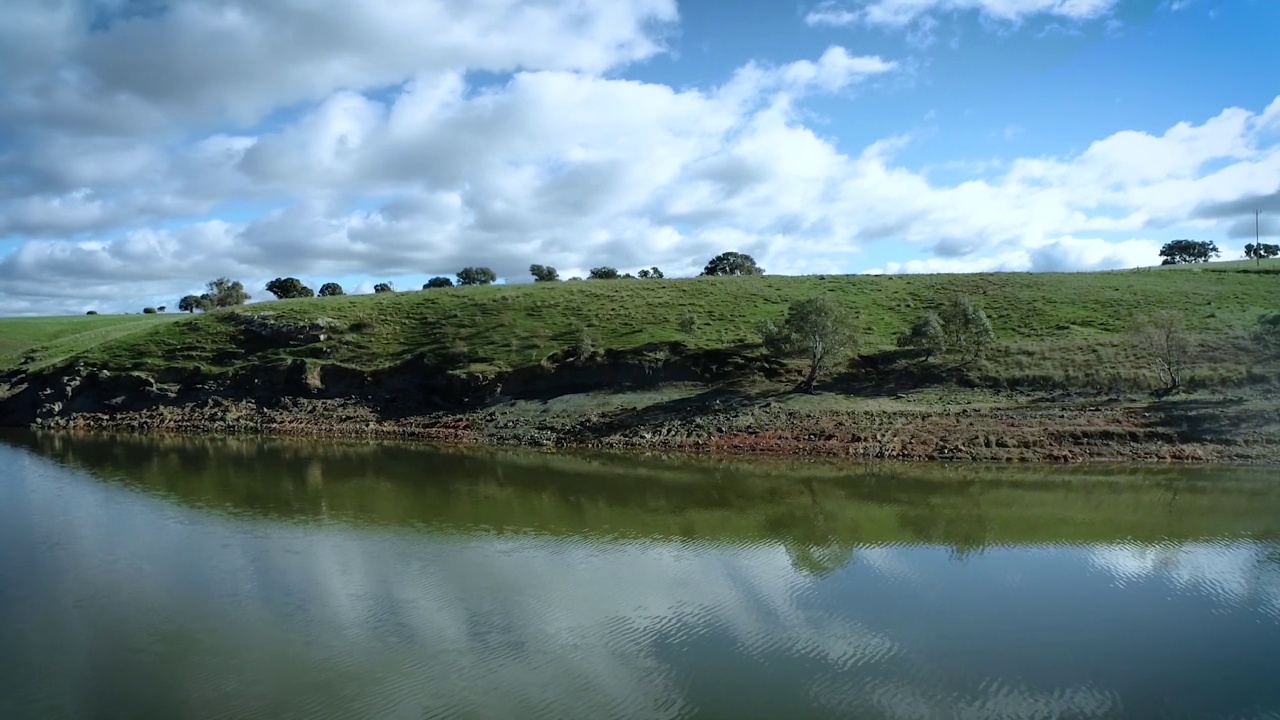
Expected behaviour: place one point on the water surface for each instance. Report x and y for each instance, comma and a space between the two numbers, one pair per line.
249, 579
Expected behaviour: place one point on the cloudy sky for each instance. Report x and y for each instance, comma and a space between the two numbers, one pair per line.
147, 146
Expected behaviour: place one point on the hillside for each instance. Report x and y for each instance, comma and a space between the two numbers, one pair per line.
1059, 329
677, 364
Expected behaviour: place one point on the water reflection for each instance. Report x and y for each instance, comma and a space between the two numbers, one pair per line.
249, 579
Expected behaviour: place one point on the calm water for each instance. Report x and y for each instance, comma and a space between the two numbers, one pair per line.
242, 579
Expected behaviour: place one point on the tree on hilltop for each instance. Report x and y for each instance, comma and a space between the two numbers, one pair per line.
476, 276
1185, 252
290, 287
732, 263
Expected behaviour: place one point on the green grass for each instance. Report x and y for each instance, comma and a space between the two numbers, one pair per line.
1057, 329
50, 340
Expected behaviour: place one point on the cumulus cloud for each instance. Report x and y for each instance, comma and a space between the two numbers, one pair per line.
370, 155
900, 13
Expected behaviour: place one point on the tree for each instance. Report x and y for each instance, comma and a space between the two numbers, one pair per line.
732, 263
148, 311
652, 273
476, 276
384, 288
189, 304
957, 328
223, 292
290, 287
438, 282
927, 335
331, 289
603, 273
815, 328
1261, 251
966, 329
543, 273
1163, 342
92, 312
1183, 252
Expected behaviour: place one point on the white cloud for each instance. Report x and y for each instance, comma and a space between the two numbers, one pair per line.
396, 164
900, 13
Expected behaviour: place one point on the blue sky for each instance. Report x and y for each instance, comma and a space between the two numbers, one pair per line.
150, 146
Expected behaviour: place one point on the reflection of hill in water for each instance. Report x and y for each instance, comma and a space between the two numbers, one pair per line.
820, 511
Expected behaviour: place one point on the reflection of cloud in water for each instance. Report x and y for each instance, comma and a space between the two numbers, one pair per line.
1232, 572
515, 625
893, 699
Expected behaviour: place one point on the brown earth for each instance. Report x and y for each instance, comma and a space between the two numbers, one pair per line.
663, 399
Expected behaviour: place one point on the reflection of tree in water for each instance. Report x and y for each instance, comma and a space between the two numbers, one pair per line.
951, 519
813, 534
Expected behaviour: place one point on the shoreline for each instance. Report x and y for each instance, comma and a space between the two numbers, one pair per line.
1081, 432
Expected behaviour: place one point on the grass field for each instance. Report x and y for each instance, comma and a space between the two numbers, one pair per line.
50, 340
1061, 329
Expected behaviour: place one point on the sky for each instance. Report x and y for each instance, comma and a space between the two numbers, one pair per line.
147, 146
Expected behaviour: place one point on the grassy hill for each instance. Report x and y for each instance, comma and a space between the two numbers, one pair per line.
1062, 329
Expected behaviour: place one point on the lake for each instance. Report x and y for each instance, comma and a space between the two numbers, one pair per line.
187, 578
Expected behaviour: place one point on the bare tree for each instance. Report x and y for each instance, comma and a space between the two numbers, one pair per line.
1162, 341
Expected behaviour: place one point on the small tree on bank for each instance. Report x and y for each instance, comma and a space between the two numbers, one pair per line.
476, 276
438, 282
814, 328
1162, 341
290, 287
544, 273
1184, 252
732, 263
958, 329
331, 289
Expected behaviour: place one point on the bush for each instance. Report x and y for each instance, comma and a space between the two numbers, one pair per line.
1267, 335
148, 311
687, 323
92, 312
438, 282
331, 289
603, 273
384, 288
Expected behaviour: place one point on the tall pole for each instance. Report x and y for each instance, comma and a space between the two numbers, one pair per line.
1257, 238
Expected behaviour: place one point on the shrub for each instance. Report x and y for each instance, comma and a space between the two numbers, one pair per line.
92, 312
331, 289
603, 273
438, 282
148, 311
384, 287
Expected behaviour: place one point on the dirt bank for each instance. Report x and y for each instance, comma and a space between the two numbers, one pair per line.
658, 399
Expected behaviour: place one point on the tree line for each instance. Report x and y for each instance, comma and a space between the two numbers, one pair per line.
225, 292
